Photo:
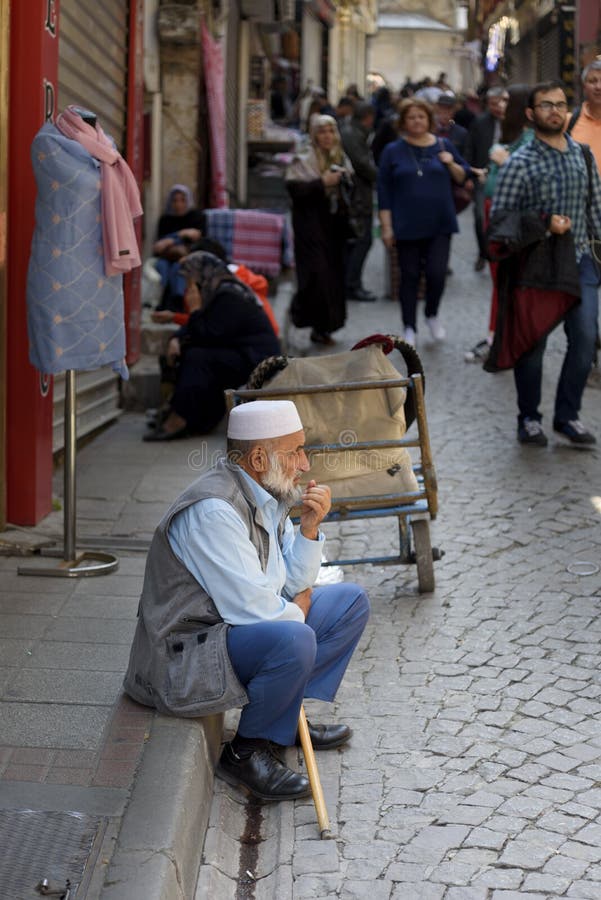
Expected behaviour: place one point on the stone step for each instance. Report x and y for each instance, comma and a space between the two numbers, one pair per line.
143, 390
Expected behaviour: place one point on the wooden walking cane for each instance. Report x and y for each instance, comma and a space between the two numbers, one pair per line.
313, 773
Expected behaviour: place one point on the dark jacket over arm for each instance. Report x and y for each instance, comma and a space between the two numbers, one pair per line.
537, 280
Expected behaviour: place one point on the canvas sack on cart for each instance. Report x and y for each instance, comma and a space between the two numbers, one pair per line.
355, 407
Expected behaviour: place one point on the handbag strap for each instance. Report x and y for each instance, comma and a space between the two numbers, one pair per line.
588, 159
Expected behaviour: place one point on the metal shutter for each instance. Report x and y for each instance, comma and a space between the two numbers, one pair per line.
92, 73
548, 55
92, 66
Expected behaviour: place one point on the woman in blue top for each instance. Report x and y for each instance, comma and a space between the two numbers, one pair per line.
417, 211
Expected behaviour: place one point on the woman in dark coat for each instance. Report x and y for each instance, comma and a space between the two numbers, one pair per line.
227, 335
315, 181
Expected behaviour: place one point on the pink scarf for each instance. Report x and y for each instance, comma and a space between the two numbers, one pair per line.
120, 197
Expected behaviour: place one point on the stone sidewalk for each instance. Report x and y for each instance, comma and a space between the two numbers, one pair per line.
474, 769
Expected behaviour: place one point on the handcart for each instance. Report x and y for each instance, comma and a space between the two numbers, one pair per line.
338, 430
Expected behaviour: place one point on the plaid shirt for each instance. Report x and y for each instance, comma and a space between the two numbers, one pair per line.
539, 178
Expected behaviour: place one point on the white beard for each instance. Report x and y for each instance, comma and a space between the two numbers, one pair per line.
280, 485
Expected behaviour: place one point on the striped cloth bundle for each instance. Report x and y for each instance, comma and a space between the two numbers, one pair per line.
260, 240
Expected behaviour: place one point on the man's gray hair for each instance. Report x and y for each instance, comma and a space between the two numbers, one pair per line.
237, 449
496, 91
593, 66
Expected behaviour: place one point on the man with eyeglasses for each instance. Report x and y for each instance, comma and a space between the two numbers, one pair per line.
483, 133
546, 183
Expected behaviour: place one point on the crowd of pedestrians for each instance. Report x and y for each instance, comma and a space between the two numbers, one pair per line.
515, 152
535, 194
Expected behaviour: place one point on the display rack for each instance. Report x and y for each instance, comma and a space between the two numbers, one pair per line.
72, 564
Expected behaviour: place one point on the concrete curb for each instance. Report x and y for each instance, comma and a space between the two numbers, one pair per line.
159, 846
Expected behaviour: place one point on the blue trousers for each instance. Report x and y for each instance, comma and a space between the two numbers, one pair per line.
580, 326
280, 663
431, 254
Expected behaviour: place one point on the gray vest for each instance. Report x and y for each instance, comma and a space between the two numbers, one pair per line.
179, 662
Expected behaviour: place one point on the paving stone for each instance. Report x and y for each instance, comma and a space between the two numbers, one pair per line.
566, 867
576, 850
583, 890
546, 883
517, 895
365, 889
501, 878
315, 857
465, 815
524, 854
425, 891
466, 893
590, 834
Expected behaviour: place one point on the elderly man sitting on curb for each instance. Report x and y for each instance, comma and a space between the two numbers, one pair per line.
229, 615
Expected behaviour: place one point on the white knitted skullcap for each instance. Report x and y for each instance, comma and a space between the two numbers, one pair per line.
262, 419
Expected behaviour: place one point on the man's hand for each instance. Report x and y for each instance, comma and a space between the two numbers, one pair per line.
499, 155
559, 224
316, 502
162, 245
162, 315
304, 601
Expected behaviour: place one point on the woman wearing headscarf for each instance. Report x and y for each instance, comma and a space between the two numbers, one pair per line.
179, 227
227, 335
319, 183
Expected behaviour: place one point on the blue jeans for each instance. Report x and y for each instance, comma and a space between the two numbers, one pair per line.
279, 663
580, 326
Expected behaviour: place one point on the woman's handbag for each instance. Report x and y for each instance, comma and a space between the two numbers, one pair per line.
352, 226
463, 194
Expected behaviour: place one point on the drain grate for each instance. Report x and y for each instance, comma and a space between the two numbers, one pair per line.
58, 846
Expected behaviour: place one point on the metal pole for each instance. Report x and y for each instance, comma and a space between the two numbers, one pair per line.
69, 467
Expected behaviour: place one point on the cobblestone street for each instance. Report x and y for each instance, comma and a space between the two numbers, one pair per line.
474, 772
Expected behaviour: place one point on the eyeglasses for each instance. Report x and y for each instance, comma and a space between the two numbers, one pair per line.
547, 106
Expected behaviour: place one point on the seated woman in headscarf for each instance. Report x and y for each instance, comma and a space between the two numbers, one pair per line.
227, 335
319, 183
179, 226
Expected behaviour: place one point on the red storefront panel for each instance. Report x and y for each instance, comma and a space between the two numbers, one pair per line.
33, 78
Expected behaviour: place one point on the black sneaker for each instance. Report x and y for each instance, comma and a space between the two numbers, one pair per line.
575, 432
530, 431
478, 353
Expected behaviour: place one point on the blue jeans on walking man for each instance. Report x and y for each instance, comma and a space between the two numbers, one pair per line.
580, 326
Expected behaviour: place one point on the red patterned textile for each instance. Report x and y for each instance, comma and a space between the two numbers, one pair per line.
214, 79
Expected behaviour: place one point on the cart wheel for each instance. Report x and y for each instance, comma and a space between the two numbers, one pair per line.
423, 555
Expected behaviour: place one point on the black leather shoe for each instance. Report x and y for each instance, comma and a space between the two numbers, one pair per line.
327, 737
319, 337
159, 434
362, 296
262, 774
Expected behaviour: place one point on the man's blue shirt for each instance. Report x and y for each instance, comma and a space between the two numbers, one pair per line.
212, 541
